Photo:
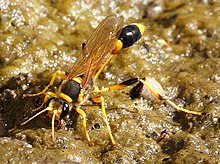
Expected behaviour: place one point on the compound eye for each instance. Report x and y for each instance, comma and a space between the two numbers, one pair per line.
65, 110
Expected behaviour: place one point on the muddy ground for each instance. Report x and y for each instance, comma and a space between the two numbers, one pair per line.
180, 49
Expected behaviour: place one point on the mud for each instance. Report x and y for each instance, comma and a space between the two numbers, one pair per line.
39, 37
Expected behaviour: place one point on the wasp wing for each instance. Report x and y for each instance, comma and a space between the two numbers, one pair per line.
100, 43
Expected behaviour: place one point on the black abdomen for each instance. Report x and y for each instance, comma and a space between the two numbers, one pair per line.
129, 35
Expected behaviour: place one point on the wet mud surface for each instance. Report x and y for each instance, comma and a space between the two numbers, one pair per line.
180, 49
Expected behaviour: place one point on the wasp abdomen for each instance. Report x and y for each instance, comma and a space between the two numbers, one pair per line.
129, 35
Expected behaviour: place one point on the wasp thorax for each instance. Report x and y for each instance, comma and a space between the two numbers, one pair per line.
71, 88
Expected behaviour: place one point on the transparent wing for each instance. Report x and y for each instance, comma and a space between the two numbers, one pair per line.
100, 43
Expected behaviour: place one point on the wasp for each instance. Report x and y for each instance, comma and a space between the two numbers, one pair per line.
107, 39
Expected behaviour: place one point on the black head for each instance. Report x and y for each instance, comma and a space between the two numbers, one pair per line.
60, 105
65, 110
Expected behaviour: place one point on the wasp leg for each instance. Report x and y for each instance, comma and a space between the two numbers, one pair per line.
183, 109
101, 100
121, 85
53, 119
53, 122
151, 89
58, 72
83, 114
39, 113
103, 66
106, 122
157, 95
48, 94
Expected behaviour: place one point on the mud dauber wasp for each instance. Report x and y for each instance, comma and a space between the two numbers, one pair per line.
107, 39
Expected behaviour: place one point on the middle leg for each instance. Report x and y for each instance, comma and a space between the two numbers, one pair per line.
101, 101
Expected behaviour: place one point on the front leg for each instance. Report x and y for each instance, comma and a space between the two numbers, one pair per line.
58, 72
46, 98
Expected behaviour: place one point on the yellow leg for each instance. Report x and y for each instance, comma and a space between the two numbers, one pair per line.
103, 66
168, 101
39, 113
83, 114
119, 86
151, 89
63, 76
106, 121
53, 122
48, 94
182, 109
114, 87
